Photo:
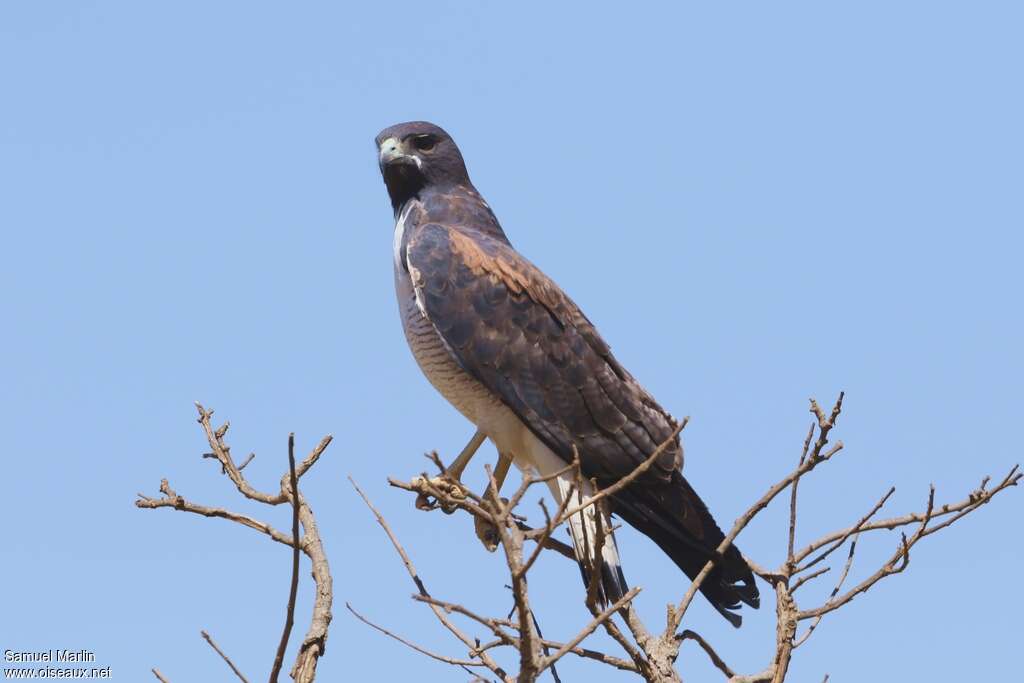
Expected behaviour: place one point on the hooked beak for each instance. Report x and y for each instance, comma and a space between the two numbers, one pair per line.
392, 151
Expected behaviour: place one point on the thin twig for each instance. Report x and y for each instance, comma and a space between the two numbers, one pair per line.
810, 577
223, 454
495, 624
814, 458
172, 500
715, 659
433, 655
206, 636
974, 500
293, 591
896, 564
314, 644
616, 662
835, 591
848, 532
422, 589
160, 676
544, 645
793, 499
591, 627
549, 527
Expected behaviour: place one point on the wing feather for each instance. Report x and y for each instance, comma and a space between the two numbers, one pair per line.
518, 334
521, 336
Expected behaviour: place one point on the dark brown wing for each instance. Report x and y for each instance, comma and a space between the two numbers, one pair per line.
516, 332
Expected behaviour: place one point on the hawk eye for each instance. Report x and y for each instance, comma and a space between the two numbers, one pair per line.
425, 143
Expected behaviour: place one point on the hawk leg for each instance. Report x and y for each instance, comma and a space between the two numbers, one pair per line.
451, 481
459, 464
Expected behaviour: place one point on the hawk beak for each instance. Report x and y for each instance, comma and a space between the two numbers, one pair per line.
393, 151
390, 149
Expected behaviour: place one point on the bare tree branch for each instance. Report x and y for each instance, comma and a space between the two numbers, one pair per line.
172, 500
584, 653
414, 646
294, 588
548, 529
441, 615
793, 497
810, 577
896, 564
839, 584
847, 533
206, 636
591, 627
314, 644
222, 452
497, 625
816, 457
715, 659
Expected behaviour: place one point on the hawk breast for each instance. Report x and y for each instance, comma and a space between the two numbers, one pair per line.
435, 359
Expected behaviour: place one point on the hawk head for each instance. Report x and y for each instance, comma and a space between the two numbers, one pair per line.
417, 155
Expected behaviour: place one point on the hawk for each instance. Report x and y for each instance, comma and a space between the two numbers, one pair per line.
518, 358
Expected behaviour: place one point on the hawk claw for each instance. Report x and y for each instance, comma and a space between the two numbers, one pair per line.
451, 489
487, 532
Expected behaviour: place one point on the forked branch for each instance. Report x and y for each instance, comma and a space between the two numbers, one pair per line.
314, 644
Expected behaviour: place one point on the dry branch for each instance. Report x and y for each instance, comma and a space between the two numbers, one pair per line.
227, 660
294, 587
410, 644
440, 613
172, 500
591, 627
710, 651
314, 644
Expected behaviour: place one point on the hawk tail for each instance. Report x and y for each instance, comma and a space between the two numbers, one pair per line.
661, 514
583, 527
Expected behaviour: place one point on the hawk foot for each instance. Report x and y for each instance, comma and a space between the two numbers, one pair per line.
487, 533
434, 491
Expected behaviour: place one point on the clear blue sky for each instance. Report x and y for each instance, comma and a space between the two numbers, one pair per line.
754, 204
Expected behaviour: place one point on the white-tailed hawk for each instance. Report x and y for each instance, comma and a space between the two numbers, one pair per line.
513, 353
